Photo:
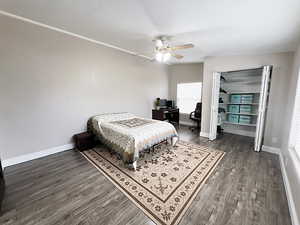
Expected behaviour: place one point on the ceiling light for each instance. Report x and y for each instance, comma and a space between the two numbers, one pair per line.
159, 43
159, 56
162, 57
166, 56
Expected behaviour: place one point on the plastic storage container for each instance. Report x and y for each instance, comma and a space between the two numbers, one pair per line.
233, 118
234, 108
247, 109
247, 99
245, 119
235, 98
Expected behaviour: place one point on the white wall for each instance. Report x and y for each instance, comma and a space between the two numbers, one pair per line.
290, 159
184, 73
51, 83
282, 64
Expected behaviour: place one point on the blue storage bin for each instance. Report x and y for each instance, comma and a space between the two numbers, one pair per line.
247, 109
234, 108
247, 99
233, 118
245, 119
235, 98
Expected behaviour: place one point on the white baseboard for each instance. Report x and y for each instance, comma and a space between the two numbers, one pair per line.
270, 149
288, 191
204, 134
239, 132
289, 195
186, 123
36, 155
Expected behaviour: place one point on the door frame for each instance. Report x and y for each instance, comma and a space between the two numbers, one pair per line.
215, 93
263, 106
213, 116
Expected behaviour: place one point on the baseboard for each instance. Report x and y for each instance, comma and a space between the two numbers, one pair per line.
204, 134
240, 132
289, 195
270, 149
186, 123
36, 155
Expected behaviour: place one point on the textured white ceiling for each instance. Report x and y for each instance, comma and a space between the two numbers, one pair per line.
215, 27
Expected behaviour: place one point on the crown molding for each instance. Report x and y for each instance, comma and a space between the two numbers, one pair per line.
72, 34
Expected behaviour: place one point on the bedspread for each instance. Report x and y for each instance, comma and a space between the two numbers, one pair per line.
128, 134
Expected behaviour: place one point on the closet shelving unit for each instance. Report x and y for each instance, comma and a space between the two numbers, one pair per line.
233, 116
253, 113
241, 124
244, 114
238, 103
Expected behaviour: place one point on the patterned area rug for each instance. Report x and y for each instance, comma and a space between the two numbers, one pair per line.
166, 180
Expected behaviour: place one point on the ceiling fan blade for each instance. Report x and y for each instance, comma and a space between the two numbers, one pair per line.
182, 47
177, 56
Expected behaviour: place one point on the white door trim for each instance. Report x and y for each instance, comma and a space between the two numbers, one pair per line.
262, 107
214, 106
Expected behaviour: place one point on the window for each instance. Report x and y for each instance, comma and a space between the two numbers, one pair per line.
295, 135
188, 94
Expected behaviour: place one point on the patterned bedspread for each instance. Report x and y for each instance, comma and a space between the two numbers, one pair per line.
128, 134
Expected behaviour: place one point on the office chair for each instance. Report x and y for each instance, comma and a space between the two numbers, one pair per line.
196, 115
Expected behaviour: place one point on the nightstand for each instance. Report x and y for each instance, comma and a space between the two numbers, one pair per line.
84, 141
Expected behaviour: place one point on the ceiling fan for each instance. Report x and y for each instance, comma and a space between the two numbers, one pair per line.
163, 50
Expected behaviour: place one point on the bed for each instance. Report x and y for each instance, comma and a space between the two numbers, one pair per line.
128, 135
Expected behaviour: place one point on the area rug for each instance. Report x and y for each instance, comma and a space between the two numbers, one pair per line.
166, 180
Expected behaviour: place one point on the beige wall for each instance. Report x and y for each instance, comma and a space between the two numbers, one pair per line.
184, 73
51, 83
291, 161
282, 64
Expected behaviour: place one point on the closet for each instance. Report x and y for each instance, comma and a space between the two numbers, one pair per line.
239, 103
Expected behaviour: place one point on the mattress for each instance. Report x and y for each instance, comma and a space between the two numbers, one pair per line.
128, 134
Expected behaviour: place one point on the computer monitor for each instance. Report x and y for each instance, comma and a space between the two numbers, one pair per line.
163, 103
170, 104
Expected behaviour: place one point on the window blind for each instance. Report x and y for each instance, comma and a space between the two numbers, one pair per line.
188, 94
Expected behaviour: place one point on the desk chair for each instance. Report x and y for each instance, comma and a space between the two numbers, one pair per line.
196, 115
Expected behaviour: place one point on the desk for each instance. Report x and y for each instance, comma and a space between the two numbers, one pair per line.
172, 115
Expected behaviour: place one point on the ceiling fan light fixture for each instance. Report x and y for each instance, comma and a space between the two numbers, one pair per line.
159, 56
166, 56
159, 43
162, 56
164, 51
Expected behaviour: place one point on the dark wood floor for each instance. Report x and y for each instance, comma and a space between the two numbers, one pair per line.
245, 189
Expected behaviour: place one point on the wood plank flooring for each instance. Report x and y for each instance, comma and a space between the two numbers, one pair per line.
245, 189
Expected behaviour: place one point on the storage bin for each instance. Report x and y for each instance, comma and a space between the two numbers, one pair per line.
234, 108
235, 98
247, 109
233, 118
247, 99
245, 119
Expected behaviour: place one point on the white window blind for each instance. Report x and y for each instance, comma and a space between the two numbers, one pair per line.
296, 120
188, 94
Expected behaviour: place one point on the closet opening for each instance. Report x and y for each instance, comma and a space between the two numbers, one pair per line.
239, 103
